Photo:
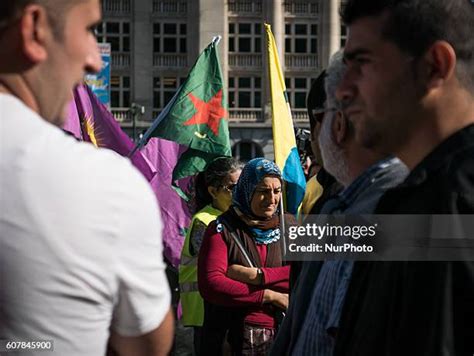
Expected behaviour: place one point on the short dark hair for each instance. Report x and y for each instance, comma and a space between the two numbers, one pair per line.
10, 9
316, 98
214, 176
414, 25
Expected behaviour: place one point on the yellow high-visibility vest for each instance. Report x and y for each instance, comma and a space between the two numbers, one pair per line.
191, 301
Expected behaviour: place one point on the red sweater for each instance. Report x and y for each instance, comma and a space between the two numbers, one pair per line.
219, 289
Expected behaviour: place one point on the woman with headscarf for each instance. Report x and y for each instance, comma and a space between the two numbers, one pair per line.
240, 270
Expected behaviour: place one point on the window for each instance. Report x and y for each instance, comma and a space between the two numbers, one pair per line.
245, 92
246, 150
169, 37
119, 91
245, 37
116, 33
164, 89
297, 89
301, 38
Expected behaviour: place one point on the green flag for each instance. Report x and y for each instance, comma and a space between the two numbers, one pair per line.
197, 117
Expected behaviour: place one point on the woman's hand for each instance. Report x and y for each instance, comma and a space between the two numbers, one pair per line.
280, 300
244, 274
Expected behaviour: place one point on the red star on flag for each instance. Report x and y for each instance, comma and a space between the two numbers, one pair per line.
210, 113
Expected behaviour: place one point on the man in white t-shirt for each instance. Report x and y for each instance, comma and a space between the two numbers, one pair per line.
80, 236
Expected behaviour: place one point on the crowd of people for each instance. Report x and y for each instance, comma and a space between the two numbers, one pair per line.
392, 132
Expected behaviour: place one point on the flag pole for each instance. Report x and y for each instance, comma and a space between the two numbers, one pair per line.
282, 224
153, 126
216, 40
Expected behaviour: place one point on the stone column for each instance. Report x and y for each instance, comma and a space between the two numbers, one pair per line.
193, 31
330, 30
142, 57
278, 28
213, 21
272, 14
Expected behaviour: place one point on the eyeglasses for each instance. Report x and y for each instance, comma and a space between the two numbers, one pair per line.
318, 113
229, 187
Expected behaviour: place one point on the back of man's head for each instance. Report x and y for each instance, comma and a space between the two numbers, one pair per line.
335, 73
414, 25
333, 150
316, 98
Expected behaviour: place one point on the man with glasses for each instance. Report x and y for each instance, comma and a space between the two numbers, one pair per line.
315, 104
316, 303
322, 186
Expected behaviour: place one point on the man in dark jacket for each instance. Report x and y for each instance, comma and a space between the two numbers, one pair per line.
315, 305
409, 91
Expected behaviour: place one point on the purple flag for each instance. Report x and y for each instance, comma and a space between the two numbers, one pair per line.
89, 120
99, 127
176, 216
73, 124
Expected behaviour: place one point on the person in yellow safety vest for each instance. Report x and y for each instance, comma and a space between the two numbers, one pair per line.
213, 197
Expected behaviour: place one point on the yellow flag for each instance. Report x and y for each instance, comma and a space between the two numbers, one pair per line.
284, 141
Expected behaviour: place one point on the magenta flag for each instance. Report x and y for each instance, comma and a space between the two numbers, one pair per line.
98, 126
89, 120
175, 212
73, 124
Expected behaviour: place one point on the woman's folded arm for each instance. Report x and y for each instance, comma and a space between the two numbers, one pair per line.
214, 285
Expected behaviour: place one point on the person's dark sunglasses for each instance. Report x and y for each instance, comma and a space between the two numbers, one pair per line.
229, 187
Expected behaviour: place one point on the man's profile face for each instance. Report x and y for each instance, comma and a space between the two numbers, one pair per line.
378, 90
70, 57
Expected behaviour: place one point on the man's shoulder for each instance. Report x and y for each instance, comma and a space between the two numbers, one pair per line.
454, 173
445, 190
451, 164
57, 165
386, 178
455, 183
28, 140
74, 161
46, 167
390, 175
461, 168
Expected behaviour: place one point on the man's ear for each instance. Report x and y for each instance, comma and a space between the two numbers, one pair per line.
35, 30
212, 191
439, 64
339, 128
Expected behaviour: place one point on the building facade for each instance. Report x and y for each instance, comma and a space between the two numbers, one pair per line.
154, 44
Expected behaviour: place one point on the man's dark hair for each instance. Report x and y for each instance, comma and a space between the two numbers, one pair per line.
414, 25
316, 98
11, 9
